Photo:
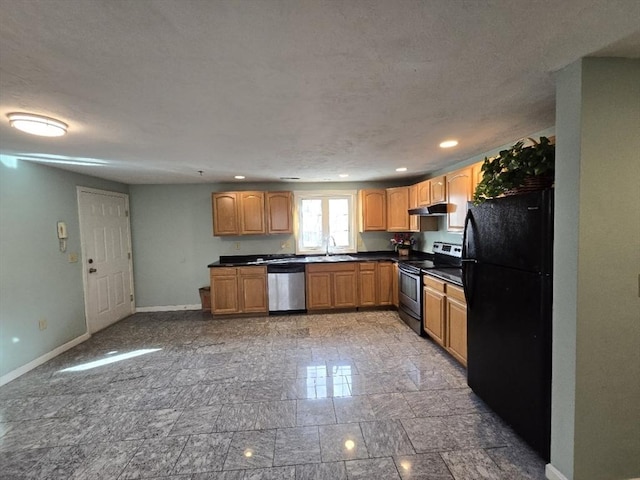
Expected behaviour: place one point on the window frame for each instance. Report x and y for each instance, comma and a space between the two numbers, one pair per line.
325, 195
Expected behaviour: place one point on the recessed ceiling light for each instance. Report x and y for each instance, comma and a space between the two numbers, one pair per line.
343, 175
401, 169
449, 143
37, 124
239, 177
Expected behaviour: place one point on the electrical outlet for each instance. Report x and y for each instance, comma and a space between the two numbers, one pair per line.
237, 245
42, 324
73, 257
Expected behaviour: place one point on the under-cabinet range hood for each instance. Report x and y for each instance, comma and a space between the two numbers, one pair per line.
430, 211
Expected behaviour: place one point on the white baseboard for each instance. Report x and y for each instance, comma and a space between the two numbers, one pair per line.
169, 308
44, 358
552, 473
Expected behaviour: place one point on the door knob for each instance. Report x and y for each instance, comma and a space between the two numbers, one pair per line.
92, 270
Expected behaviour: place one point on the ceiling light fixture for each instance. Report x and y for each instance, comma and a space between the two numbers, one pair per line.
37, 124
448, 144
401, 169
343, 175
239, 177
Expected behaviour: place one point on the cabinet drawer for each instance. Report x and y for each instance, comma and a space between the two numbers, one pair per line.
334, 267
456, 292
433, 283
252, 270
223, 271
367, 266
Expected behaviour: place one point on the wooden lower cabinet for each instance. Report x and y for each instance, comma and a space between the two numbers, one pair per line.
253, 289
239, 290
224, 291
368, 275
434, 303
350, 285
387, 283
332, 286
445, 316
394, 288
456, 343
345, 289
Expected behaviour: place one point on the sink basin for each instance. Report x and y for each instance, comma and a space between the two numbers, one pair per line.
331, 258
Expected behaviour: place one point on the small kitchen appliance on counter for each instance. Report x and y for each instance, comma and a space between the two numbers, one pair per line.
446, 262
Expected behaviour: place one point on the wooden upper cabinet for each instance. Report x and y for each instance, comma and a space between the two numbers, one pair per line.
397, 209
372, 206
225, 213
438, 189
424, 193
252, 213
458, 194
279, 212
414, 220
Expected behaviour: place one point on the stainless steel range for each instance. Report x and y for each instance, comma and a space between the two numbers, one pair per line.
446, 261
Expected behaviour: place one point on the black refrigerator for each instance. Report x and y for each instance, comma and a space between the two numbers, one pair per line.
507, 276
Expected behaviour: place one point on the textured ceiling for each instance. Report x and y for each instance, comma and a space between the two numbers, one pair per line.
154, 91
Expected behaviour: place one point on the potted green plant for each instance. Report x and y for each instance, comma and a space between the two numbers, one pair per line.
518, 169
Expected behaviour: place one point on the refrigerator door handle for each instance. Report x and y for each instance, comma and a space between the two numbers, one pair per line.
467, 263
467, 280
466, 234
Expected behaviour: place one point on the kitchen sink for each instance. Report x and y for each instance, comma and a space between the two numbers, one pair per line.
330, 258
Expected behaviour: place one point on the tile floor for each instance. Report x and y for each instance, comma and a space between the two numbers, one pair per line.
343, 396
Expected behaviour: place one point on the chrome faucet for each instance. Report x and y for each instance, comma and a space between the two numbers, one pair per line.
330, 238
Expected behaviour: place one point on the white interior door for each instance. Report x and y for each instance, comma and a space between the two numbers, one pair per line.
106, 255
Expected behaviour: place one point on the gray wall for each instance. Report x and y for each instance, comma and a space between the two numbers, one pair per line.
596, 353
36, 280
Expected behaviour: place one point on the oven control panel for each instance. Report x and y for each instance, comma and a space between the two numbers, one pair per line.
450, 249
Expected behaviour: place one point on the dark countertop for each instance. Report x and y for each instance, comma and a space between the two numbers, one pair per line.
451, 275
283, 259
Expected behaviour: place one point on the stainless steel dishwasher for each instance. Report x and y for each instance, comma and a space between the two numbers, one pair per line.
286, 288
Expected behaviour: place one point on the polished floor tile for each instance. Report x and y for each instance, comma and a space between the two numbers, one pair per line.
344, 396
382, 468
386, 438
342, 442
297, 445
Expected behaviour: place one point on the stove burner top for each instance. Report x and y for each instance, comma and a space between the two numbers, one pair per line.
446, 256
